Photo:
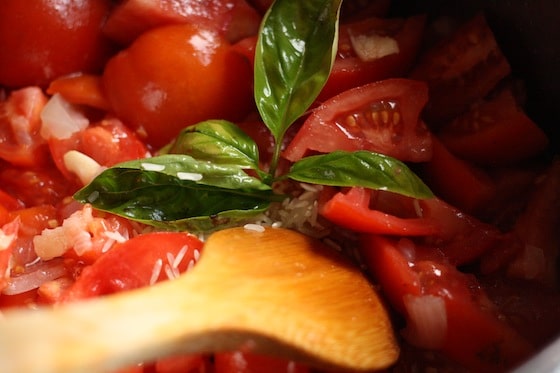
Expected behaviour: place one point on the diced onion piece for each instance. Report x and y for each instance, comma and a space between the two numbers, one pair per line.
372, 47
86, 168
60, 119
427, 321
38, 275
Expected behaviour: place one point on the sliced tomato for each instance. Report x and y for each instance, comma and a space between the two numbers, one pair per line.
108, 142
138, 262
495, 132
445, 309
247, 362
382, 117
352, 210
82, 89
21, 143
234, 19
460, 70
373, 49
457, 181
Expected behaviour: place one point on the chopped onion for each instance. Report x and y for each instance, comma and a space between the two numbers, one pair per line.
60, 119
372, 47
427, 321
35, 276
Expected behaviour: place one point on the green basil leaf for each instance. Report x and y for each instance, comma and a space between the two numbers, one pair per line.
178, 192
361, 169
293, 58
217, 141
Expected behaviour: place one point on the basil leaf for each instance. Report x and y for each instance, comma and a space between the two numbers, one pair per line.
293, 58
217, 141
362, 169
178, 192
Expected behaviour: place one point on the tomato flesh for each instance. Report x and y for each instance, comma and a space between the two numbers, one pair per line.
382, 117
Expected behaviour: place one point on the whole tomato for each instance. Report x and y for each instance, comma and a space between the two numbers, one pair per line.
44, 39
175, 76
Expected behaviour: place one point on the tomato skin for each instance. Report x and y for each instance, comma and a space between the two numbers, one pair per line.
352, 210
382, 117
130, 264
82, 89
44, 39
175, 76
235, 19
349, 70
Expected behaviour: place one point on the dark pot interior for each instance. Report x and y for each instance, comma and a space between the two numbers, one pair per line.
529, 33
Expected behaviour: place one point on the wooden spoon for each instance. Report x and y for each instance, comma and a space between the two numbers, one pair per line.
274, 292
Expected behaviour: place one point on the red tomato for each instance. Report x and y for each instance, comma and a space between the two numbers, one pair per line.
107, 142
137, 262
495, 132
246, 362
469, 328
82, 89
382, 117
182, 364
373, 49
175, 76
352, 210
460, 70
44, 39
36, 186
457, 181
20, 124
235, 19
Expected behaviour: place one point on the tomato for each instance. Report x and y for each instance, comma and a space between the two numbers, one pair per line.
108, 142
137, 262
458, 317
373, 49
352, 210
20, 124
246, 362
182, 364
495, 132
8, 233
34, 186
382, 117
234, 19
459, 182
81, 89
44, 39
460, 70
175, 76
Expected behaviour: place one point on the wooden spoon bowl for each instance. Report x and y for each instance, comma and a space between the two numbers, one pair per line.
274, 292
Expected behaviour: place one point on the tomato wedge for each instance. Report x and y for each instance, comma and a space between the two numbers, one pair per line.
461, 70
445, 309
381, 117
373, 49
82, 89
495, 132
